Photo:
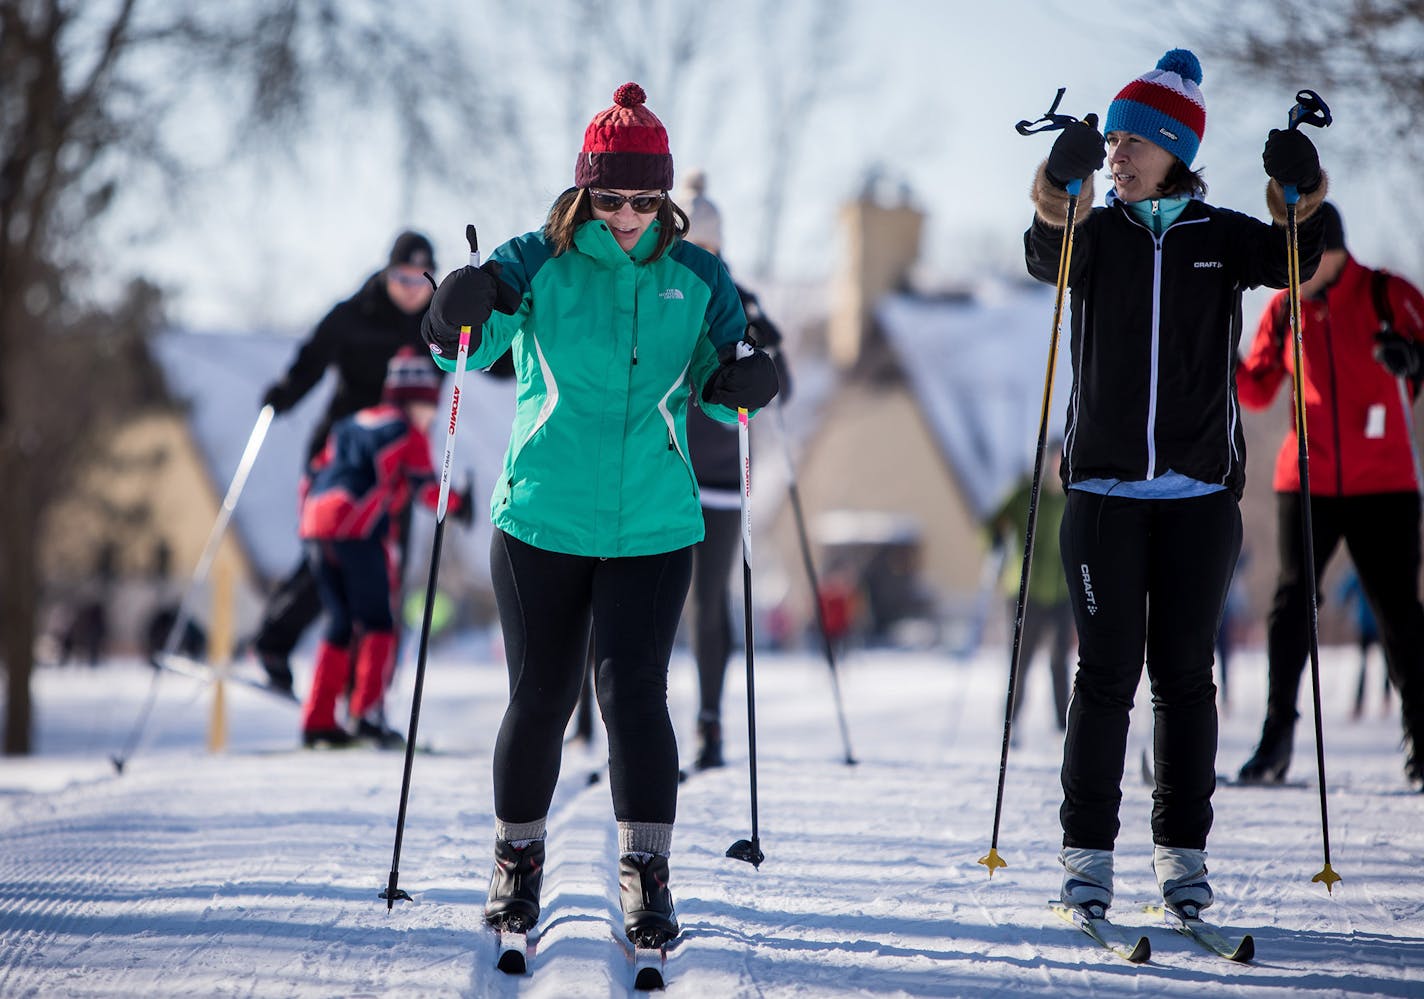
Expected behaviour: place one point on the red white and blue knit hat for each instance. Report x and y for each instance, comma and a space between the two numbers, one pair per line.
1164, 106
411, 377
625, 147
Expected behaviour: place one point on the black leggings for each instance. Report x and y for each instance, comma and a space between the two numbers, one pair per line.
711, 567
1145, 576
1381, 531
547, 602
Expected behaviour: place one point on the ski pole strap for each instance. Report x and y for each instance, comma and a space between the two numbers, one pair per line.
1310, 109
1050, 121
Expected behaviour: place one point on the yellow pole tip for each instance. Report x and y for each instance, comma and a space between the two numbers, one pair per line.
993, 861
1328, 877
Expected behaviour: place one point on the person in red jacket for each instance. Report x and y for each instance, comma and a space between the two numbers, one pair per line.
373, 463
1362, 333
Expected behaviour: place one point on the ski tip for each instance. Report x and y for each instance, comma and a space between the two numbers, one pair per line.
1141, 952
511, 962
1244, 951
648, 980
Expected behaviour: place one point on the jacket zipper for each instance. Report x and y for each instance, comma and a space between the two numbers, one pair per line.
1156, 343
1156, 333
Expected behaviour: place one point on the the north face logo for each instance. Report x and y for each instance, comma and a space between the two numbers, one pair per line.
671, 294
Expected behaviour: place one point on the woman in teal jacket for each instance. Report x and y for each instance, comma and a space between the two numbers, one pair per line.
610, 315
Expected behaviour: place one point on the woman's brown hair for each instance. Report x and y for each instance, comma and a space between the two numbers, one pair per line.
1182, 180
573, 208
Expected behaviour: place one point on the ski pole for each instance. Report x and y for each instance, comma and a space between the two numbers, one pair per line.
748, 849
1049, 122
393, 893
200, 573
1309, 109
795, 495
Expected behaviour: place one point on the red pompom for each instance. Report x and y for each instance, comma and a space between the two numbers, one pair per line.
630, 95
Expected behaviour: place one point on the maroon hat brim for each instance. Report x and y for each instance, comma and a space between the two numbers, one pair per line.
624, 171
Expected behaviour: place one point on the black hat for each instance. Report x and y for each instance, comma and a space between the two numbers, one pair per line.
1334, 226
413, 250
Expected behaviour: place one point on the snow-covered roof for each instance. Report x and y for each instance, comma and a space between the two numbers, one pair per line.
221, 377
977, 368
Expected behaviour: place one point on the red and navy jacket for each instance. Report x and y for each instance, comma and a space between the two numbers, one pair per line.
373, 462
1357, 421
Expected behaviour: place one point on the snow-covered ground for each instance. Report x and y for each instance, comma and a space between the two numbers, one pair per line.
255, 872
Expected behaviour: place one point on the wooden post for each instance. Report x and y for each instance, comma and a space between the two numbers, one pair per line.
220, 653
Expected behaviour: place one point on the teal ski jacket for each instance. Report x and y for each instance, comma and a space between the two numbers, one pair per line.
605, 343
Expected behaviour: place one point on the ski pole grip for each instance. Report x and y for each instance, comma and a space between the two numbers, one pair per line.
474, 242
1292, 195
1075, 186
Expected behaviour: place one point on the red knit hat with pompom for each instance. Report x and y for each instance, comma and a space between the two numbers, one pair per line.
625, 147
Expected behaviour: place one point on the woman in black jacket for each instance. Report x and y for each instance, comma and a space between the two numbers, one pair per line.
716, 461
1154, 456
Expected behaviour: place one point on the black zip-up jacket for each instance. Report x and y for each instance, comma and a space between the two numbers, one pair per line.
358, 338
1155, 326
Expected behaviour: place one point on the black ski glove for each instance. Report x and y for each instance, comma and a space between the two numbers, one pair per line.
466, 297
278, 397
463, 512
1077, 153
746, 378
1398, 354
1290, 158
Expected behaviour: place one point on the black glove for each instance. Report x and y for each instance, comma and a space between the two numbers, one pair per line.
1077, 153
278, 398
1290, 159
464, 508
1398, 354
466, 297
746, 378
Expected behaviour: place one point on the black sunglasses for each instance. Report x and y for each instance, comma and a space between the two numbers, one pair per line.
643, 204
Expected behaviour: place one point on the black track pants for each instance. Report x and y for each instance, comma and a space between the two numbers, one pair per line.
547, 602
1381, 531
711, 569
1147, 576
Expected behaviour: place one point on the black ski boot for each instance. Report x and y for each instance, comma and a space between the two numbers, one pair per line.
278, 670
378, 734
648, 916
1269, 763
514, 886
327, 738
709, 753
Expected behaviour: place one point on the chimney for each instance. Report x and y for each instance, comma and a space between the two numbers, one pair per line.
882, 243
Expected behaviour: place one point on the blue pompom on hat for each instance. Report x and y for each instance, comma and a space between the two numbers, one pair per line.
1164, 106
